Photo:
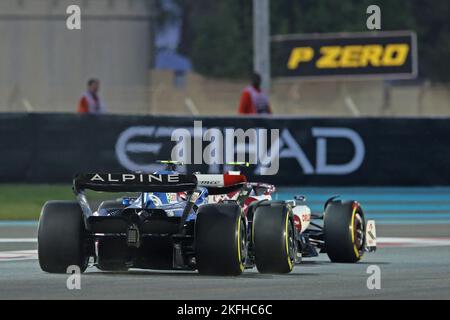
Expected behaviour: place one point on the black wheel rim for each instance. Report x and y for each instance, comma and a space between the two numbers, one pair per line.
243, 241
291, 242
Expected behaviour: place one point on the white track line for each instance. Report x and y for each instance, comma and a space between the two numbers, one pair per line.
413, 242
445, 241
18, 255
18, 240
383, 242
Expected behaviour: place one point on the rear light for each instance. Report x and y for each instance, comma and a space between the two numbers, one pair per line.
297, 223
133, 236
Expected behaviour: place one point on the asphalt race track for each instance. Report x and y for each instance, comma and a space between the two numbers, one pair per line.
413, 227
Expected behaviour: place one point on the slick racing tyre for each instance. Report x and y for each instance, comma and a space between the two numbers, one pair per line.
273, 238
61, 237
220, 239
344, 231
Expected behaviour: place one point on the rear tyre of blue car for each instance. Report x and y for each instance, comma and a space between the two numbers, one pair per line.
220, 239
274, 239
61, 237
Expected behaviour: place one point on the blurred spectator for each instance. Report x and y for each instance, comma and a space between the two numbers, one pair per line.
253, 100
90, 101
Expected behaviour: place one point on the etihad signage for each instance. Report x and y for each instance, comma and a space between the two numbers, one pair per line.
134, 143
388, 55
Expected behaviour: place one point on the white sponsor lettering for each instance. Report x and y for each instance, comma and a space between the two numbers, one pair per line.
171, 178
210, 180
322, 167
97, 177
128, 177
289, 148
282, 146
110, 178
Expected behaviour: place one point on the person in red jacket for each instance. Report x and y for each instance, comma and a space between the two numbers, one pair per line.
253, 100
90, 101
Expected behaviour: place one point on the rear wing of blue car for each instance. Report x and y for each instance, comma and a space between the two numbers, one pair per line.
134, 182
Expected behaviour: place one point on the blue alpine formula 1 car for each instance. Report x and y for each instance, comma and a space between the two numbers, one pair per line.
168, 225
216, 224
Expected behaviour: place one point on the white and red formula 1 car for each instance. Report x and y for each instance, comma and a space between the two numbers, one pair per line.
341, 230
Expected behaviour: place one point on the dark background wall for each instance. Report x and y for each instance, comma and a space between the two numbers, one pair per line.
51, 148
